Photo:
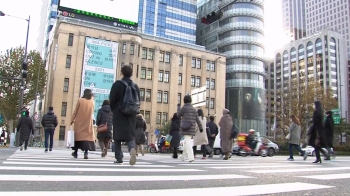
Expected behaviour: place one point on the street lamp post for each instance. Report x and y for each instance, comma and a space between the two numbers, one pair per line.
24, 72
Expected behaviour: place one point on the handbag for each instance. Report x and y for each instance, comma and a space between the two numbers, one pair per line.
168, 138
103, 128
185, 125
288, 136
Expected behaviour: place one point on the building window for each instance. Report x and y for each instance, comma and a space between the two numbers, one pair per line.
199, 64
142, 94
179, 98
207, 83
161, 56
164, 118
62, 133
180, 78
148, 116
160, 76
159, 96
167, 57
132, 49
70, 39
66, 85
198, 81
193, 82
212, 103
165, 97
166, 77
208, 66
158, 118
124, 48
181, 60
68, 61
148, 95
64, 109
193, 64
212, 67
144, 53
149, 74
143, 73
212, 84
150, 54
142, 112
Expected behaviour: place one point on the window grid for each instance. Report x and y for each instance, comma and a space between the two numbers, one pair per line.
161, 56
68, 61
144, 53
166, 77
62, 133
159, 96
142, 94
143, 73
66, 85
165, 97
208, 66
158, 118
207, 102
198, 81
212, 84
199, 64
167, 57
148, 95
179, 98
212, 67
64, 109
164, 118
132, 49
142, 112
150, 54
193, 64
124, 48
207, 83
181, 60
193, 81
180, 79
149, 74
160, 76
148, 116
212, 100
70, 39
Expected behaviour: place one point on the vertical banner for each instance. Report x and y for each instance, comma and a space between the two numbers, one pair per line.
99, 69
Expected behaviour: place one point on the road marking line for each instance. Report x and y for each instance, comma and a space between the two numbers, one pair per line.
262, 166
233, 191
111, 164
131, 169
83, 178
299, 170
328, 176
71, 161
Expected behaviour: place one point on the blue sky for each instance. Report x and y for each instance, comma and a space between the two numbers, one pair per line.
13, 31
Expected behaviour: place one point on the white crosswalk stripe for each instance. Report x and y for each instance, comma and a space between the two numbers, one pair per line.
167, 169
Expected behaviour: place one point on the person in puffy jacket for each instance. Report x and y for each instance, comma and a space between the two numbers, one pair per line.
49, 122
104, 115
140, 129
25, 127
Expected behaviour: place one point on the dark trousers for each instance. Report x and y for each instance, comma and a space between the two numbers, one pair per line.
317, 152
175, 152
203, 149
296, 147
118, 153
104, 142
211, 143
25, 143
49, 133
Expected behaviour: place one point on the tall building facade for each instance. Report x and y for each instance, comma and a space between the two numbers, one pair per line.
293, 19
171, 19
164, 70
239, 34
47, 20
319, 57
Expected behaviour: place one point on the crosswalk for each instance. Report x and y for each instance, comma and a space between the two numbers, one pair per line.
34, 165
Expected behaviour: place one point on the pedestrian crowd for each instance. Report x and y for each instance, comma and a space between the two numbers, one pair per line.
121, 113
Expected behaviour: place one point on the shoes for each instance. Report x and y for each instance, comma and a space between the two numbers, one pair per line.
21, 148
174, 156
132, 160
75, 155
317, 161
143, 153
204, 158
50, 149
104, 152
191, 161
327, 159
211, 154
86, 156
46, 150
290, 159
118, 161
305, 155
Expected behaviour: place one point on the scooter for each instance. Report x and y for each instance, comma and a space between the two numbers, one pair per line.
244, 149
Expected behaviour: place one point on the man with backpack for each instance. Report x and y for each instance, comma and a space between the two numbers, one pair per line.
125, 103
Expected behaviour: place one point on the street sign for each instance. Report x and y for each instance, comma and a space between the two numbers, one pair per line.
156, 132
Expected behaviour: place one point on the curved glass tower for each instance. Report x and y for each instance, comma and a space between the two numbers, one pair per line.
239, 34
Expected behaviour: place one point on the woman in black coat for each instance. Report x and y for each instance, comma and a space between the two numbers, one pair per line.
317, 137
140, 129
174, 132
329, 125
104, 115
25, 127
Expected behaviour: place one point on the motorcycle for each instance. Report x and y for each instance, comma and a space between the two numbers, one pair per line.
157, 149
245, 150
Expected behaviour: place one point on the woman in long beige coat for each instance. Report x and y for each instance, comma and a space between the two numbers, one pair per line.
83, 125
225, 133
201, 138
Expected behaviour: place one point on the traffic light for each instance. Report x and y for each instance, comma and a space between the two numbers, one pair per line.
24, 69
214, 16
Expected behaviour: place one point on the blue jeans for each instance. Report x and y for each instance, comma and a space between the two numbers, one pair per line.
49, 133
297, 147
118, 153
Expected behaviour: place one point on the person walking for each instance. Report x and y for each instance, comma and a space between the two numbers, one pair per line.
225, 133
189, 118
316, 133
201, 138
104, 117
174, 131
294, 138
329, 128
25, 127
214, 131
84, 137
123, 125
140, 137
49, 122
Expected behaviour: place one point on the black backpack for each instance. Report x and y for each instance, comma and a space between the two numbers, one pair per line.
130, 104
234, 132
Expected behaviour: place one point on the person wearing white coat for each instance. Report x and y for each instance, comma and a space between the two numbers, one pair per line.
201, 138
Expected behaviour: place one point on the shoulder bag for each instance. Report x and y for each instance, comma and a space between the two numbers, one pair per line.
103, 128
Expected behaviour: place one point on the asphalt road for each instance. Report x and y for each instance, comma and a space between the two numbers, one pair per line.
34, 172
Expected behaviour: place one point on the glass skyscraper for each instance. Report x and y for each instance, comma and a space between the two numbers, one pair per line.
172, 19
239, 34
